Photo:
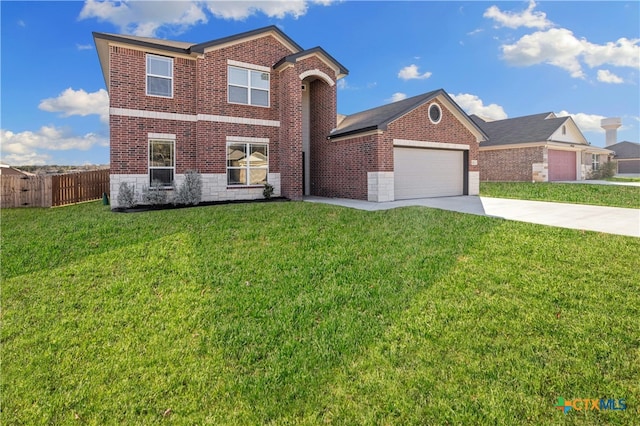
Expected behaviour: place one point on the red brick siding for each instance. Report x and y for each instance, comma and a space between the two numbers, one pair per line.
341, 167
211, 148
290, 148
509, 165
130, 143
345, 163
128, 84
212, 78
416, 126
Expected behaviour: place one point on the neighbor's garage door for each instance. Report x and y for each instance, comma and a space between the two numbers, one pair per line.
420, 173
562, 165
628, 166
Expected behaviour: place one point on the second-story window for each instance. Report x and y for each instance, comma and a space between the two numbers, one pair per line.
159, 76
248, 87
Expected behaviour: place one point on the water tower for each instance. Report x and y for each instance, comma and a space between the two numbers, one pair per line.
611, 125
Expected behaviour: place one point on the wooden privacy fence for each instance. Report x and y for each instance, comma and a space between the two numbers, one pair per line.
78, 187
54, 190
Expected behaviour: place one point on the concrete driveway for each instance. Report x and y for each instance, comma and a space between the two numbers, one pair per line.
610, 220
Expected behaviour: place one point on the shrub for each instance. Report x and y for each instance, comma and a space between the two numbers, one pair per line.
154, 194
126, 195
606, 170
190, 192
267, 191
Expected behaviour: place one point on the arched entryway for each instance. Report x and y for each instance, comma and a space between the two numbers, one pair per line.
318, 119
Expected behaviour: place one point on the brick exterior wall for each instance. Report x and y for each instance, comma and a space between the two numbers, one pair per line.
343, 166
510, 165
347, 163
416, 126
200, 87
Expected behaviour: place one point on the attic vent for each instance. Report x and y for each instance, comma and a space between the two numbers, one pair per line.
304, 87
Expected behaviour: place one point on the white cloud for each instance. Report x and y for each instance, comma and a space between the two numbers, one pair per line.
31, 159
561, 48
342, 84
26, 147
411, 73
78, 102
527, 18
21, 23
146, 18
398, 96
557, 46
607, 76
84, 46
586, 122
622, 53
472, 104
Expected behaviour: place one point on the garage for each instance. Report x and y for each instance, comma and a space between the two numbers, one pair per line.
423, 173
562, 165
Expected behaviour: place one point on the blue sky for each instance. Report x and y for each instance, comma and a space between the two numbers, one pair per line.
497, 59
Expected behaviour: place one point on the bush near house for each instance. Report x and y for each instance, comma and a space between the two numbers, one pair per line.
299, 313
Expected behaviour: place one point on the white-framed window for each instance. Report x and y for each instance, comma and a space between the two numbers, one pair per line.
248, 87
435, 113
159, 76
595, 162
247, 163
162, 161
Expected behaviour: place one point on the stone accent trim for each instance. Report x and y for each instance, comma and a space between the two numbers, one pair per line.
380, 186
248, 66
214, 187
474, 183
126, 112
426, 144
247, 139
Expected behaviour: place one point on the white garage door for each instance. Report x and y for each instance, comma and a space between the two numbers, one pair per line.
421, 173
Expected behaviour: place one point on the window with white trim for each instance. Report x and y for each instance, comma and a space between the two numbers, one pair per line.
162, 161
247, 163
248, 87
595, 162
159, 76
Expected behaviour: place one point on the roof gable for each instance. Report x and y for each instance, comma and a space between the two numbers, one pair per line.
249, 35
379, 118
530, 128
319, 52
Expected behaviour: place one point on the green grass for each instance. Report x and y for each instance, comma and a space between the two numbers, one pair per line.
598, 195
624, 179
300, 313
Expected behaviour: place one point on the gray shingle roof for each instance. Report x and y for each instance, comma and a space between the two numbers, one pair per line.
378, 118
293, 57
626, 149
185, 47
530, 128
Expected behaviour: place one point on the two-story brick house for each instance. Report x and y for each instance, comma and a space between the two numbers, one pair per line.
256, 107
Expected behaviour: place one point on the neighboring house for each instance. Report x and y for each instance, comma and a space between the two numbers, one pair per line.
256, 107
627, 154
539, 148
6, 170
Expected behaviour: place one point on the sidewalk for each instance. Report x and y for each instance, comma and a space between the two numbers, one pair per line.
610, 220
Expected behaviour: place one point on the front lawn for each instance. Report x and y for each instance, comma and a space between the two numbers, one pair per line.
301, 313
597, 195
